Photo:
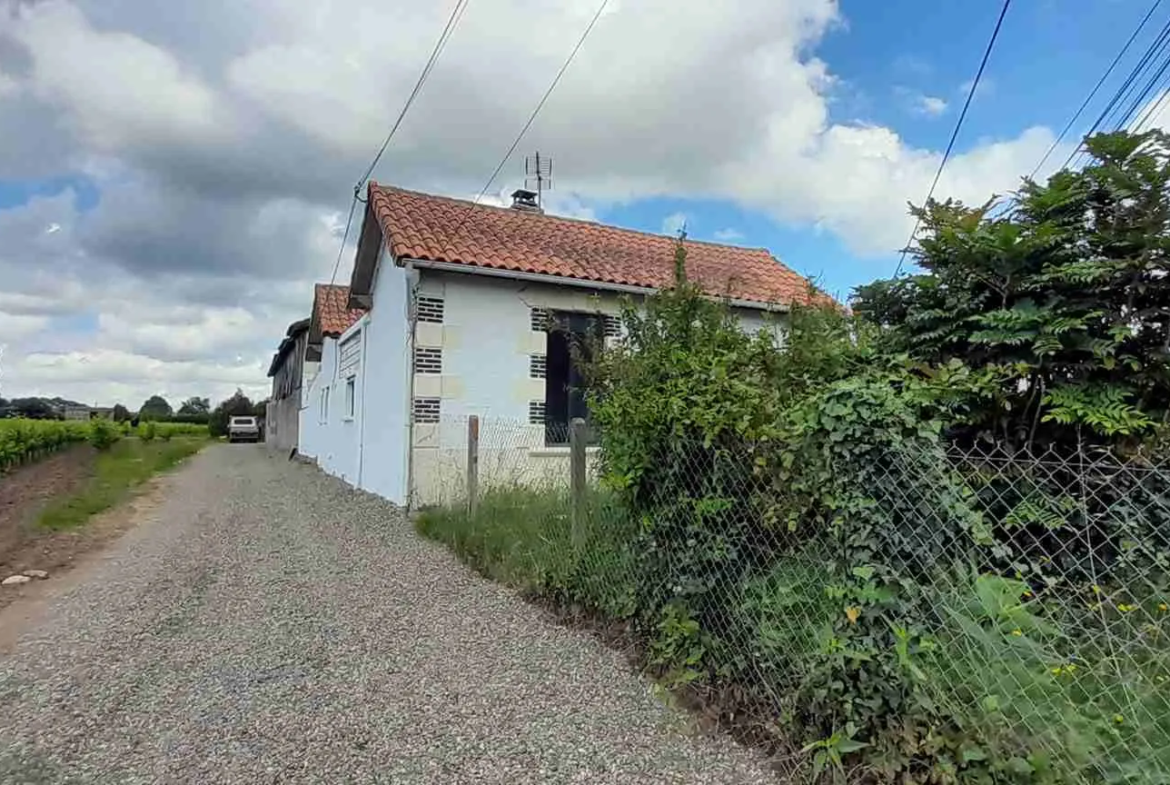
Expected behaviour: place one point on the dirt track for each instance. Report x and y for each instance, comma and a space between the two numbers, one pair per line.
264, 623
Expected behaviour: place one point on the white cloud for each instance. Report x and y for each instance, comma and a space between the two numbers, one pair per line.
986, 88
119, 89
224, 142
728, 235
15, 326
107, 375
931, 105
674, 223
8, 85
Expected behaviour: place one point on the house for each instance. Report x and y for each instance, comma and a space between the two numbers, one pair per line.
326, 420
457, 309
287, 371
72, 411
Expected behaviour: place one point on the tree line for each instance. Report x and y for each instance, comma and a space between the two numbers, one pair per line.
196, 410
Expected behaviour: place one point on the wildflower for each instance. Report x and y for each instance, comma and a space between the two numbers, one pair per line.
1117, 718
1096, 589
1163, 607
1126, 608
1017, 632
852, 612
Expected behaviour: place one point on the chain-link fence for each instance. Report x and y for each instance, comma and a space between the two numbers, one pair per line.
925, 614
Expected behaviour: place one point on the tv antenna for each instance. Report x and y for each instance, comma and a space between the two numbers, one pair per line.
539, 171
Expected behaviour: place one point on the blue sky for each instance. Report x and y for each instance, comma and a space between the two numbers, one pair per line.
1047, 58
171, 188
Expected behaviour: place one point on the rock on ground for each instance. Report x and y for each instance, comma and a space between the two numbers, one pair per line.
267, 624
15, 580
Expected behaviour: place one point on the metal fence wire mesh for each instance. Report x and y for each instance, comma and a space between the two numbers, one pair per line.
957, 610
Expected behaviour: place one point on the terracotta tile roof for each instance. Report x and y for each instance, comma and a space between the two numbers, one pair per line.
330, 311
436, 228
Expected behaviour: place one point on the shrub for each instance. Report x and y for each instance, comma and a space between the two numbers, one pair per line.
103, 433
147, 431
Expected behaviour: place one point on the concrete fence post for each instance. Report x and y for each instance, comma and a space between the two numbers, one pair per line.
472, 464
577, 438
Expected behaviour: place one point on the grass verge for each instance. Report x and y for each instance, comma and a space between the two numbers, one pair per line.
117, 472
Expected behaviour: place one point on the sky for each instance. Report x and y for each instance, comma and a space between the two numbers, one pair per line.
175, 176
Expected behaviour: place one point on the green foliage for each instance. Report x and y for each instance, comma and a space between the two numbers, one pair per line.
1064, 296
22, 441
155, 408
147, 431
103, 433
117, 472
238, 405
196, 406
522, 537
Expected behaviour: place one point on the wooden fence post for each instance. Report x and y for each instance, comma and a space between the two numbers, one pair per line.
472, 464
577, 438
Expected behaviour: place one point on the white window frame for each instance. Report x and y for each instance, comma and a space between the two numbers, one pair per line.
350, 397
323, 415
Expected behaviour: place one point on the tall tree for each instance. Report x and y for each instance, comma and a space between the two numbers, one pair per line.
238, 405
121, 413
155, 408
195, 406
1063, 298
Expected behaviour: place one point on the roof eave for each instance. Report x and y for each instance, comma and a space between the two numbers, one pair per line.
584, 283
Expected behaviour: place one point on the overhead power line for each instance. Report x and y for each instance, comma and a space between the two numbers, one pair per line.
1107, 116
553, 86
958, 125
1084, 104
440, 44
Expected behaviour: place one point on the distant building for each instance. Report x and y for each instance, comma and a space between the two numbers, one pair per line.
77, 412
282, 417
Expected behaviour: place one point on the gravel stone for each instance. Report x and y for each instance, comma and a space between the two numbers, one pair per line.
268, 624
15, 580
40, 575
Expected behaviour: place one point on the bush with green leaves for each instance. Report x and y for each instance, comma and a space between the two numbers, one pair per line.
103, 433
1064, 293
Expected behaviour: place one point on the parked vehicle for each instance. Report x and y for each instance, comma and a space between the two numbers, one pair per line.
243, 429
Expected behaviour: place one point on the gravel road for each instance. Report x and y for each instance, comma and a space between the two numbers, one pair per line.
266, 624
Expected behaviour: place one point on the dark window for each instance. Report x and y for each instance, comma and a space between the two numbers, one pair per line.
571, 340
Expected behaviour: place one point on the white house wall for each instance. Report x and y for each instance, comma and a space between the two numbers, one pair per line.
368, 449
486, 340
328, 435
385, 374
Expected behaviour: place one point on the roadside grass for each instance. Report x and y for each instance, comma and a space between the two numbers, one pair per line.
524, 538
117, 472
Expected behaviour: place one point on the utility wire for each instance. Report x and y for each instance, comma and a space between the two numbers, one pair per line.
1143, 96
1153, 109
539, 106
958, 126
440, 44
1096, 87
452, 21
1153, 50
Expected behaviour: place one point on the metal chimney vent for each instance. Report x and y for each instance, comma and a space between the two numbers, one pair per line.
525, 201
